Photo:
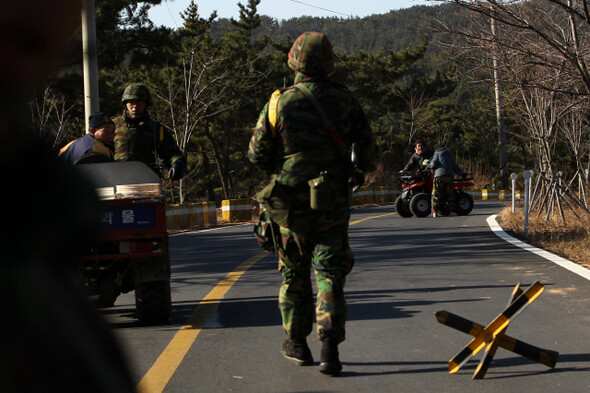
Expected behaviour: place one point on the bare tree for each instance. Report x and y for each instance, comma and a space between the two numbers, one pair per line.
544, 33
50, 114
574, 130
209, 79
542, 48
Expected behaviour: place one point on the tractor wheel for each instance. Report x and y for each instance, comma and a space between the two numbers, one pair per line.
420, 205
152, 302
402, 208
108, 291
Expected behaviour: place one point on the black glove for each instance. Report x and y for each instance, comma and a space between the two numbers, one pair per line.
176, 171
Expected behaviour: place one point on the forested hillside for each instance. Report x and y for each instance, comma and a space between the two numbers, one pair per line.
210, 78
395, 30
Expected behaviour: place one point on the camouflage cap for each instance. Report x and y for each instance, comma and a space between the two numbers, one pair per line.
312, 54
136, 91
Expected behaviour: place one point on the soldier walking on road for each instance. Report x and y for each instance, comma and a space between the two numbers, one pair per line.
138, 137
316, 121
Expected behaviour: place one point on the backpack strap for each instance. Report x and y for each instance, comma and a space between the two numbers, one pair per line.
332, 130
273, 104
158, 133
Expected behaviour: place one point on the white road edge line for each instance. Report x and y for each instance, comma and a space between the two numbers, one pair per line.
564, 263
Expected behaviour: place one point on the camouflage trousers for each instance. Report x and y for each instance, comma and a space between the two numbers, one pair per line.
317, 240
443, 191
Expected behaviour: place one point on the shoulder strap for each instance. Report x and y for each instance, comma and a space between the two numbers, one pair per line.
272, 111
327, 122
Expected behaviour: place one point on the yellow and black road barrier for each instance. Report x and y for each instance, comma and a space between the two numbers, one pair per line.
493, 335
492, 347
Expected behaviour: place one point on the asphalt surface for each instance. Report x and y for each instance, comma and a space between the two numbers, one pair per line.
405, 271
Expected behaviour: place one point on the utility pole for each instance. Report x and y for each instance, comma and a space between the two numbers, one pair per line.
500, 113
90, 60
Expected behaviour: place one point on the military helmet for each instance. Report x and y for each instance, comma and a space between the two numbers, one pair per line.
136, 91
312, 54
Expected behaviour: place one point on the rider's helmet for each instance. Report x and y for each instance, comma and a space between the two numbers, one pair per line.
312, 54
136, 91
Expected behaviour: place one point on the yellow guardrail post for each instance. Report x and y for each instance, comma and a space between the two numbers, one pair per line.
236, 209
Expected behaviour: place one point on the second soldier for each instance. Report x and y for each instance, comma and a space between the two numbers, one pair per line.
138, 137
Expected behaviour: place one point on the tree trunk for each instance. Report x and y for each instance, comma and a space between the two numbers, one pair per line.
181, 191
500, 117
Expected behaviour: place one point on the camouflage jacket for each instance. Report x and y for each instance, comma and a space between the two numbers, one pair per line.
303, 147
144, 140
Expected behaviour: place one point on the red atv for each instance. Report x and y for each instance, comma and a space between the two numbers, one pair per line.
416, 196
131, 252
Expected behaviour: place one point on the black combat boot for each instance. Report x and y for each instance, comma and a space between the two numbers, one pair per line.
296, 349
329, 361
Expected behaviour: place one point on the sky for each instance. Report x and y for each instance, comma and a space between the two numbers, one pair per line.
168, 13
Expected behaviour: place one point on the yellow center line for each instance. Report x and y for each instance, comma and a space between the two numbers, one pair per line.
158, 376
371, 218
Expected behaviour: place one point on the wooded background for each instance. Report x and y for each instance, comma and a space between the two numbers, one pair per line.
456, 72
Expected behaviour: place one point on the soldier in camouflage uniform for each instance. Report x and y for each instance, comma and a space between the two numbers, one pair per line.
443, 167
138, 137
302, 148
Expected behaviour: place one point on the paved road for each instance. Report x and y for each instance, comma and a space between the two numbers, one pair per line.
405, 271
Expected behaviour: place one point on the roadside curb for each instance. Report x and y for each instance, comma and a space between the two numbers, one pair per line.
560, 261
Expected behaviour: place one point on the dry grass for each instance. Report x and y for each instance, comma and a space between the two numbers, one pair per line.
570, 240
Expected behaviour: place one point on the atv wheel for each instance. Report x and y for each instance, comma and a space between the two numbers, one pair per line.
463, 203
402, 208
152, 302
420, 205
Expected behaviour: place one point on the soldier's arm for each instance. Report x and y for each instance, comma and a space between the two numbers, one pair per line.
367, 143
169, 151
261, 151
121, 138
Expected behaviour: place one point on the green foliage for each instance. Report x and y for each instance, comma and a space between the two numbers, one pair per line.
210, 78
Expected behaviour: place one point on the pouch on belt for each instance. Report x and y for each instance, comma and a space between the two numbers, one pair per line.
276, 202
322, 195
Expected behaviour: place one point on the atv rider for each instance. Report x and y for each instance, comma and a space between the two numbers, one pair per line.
138, 137
421, 153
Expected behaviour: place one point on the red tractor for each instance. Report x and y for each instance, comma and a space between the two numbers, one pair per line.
415, 199
131, 252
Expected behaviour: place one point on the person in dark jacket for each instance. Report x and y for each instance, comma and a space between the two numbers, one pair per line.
98, 142
421, 153
54, 340
443, 167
